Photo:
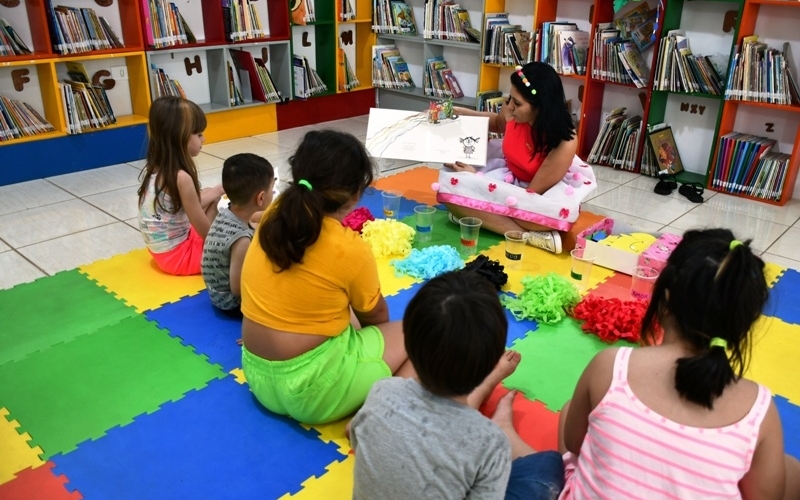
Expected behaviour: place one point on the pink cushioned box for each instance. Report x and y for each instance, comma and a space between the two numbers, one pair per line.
657, 254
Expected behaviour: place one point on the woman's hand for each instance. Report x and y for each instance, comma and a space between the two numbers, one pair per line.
460, 167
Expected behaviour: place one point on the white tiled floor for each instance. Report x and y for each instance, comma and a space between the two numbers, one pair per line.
62, 222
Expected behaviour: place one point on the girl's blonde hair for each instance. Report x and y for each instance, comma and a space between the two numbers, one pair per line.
172, 122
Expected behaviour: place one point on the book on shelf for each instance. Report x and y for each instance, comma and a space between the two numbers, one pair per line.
389, 69
77, 30
86, 106
306, 79
346, 10
254, 79
241, 21
10, 42
570, 52
302, 12
507, 44
634, 64
348, 79
449, 21
491, 54
761, 73
163, 84
403, 18
617, 141
440, 80
746, 164
551, 49
20, 119
679, 70
164, 25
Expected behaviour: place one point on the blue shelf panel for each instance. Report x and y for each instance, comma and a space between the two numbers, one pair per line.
73, 153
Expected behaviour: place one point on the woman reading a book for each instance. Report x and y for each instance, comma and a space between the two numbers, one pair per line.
537, 182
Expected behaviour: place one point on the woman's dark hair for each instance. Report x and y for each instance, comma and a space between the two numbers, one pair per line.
553, 122
710, 288
455, 332
171, 123
337, 167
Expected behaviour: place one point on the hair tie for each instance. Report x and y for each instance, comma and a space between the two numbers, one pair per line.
303, 182
525, 80
734, 244
718, 342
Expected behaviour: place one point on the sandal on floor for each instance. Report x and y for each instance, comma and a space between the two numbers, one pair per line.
666, 185
693, 191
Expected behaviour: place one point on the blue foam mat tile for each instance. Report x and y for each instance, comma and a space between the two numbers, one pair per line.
397, 303
214, 443
782, 302
790, 421
372, 200
517, 329
197, 323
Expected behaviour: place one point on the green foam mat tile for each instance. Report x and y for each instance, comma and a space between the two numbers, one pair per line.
446, 233
77, 390
54, 309
553, 358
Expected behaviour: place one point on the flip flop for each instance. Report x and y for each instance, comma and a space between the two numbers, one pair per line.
693, 191
666, 185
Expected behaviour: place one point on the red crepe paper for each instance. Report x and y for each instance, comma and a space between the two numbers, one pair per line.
611, 319
355, 220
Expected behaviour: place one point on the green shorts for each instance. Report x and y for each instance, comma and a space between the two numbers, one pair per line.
323, 384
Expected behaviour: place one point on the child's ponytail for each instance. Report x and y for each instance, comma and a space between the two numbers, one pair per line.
711, 292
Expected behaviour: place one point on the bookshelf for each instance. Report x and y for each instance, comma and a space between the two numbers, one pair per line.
463, 58
695, 116
776, 22
355, 38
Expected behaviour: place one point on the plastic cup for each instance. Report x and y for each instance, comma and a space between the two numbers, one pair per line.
470, 229
515, 247
424, 221
391, 203
642, 281
581, 269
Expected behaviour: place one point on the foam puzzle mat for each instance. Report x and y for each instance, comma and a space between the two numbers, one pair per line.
117, 381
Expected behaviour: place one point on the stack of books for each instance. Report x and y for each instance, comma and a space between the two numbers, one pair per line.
164, 25
389, 69
86, 106
76, 30
449, 21
164, 85
616, 144
746, 164
439, 80
506, 44
760, 73
617, 59
393, 16
678, 70
564, 46
19, 119
249, 80
10, 43
306, 79
241, 21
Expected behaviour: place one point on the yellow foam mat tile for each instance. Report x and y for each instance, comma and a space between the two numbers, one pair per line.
334, 432
135, 279
775, 352
390, 283
535, 262
16, 454
238, 374
336, 483
772, 272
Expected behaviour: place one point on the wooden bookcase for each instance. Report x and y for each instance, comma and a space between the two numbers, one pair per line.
34, 79
355, 37
695, 116
463, 58
776, 22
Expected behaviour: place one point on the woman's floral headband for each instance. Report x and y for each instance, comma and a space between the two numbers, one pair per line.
525, 80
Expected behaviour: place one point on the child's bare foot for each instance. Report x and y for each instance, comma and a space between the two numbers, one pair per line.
504, 414
505, 367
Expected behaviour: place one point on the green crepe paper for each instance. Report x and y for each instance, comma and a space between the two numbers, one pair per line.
544, 299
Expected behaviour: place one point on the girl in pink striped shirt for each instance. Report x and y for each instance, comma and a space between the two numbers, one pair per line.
677, 420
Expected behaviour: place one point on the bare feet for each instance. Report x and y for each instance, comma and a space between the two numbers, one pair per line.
460, 167
504, 418
505, 367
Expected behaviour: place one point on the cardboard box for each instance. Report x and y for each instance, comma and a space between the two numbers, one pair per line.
654, 253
